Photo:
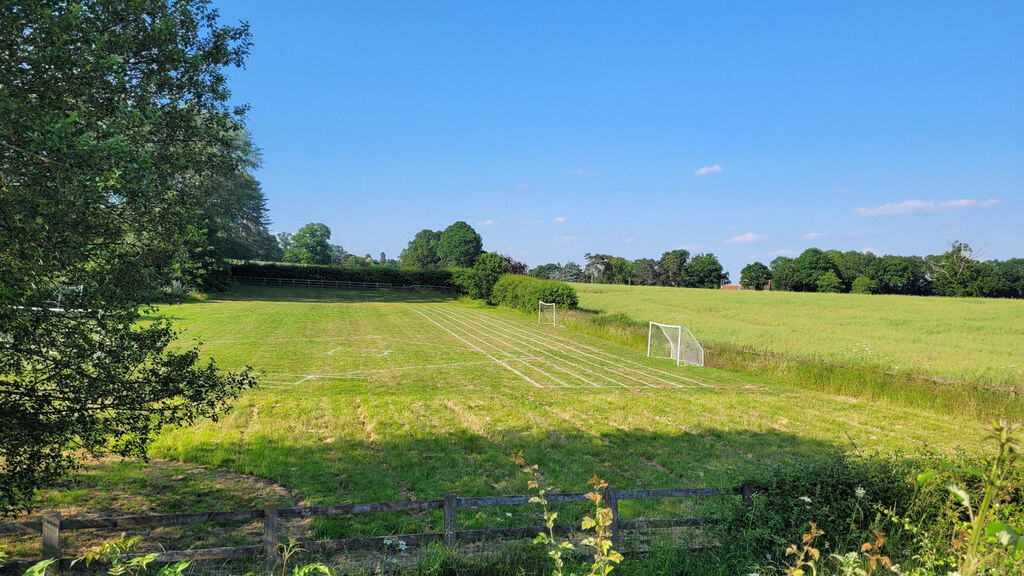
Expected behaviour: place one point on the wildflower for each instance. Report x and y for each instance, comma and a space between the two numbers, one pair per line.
860, 491
401, 545
387, 542
806, 499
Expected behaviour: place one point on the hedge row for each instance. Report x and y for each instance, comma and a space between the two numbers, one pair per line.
523, 292
378, 274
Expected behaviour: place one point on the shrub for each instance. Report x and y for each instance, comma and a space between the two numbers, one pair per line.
864, 285
837, 491
523, 293
380, 274
478, 282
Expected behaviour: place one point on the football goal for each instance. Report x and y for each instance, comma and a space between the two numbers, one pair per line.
545, 313
675, 342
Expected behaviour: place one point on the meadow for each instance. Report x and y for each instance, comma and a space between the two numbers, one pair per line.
379, 396
964, 339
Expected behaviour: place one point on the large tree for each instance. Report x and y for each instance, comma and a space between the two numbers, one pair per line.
421, 253
459, 245
755, 276
705, 271
672, 268
310, 245
113, 116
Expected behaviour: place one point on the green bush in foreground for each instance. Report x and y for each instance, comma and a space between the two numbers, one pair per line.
523, 293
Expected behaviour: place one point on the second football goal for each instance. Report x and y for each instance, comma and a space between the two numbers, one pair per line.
545, 313
675, 342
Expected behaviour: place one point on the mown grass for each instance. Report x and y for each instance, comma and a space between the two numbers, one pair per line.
403, 410
971, 339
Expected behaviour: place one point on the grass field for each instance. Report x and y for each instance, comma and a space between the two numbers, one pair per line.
971, 339
376, 396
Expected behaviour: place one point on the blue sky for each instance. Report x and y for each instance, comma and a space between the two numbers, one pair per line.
748, 130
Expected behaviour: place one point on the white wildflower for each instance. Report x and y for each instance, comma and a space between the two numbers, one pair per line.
860, 491
806, 499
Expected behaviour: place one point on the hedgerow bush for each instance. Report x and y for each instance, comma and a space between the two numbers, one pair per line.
378, 274
523, 293
850, 496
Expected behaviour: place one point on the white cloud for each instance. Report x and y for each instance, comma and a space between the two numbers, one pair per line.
559, 220
813, 235
523, 186
868, 250
708, 170
923, 207
771, 254
489, 222
568, 238
746, 238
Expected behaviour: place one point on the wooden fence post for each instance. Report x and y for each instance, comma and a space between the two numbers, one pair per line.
451, 521
51, 541
269, 537
747, 492
611, 500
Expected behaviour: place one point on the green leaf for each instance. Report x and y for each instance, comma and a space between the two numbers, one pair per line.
39, 569
926, 476
1004, 534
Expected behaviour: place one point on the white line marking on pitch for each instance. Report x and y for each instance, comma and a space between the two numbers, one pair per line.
382, 354
604, 356
476, 335
470, 344
481, 328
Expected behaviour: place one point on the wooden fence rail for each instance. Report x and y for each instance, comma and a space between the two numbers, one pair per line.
53, 524
310, 282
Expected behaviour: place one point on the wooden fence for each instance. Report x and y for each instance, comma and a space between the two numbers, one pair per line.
308, 282
53, 524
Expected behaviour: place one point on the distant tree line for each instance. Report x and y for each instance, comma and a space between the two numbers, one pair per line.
957, 272
674, 268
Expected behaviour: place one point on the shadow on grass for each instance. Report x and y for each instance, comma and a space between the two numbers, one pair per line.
421, 466
412, 465
241, 293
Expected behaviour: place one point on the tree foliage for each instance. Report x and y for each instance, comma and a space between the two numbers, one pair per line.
478, 282
459, 246
705, 271
310, 245
672, 268
114, 121
421, 253
755, 276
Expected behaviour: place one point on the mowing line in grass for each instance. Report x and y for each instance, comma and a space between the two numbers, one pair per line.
480, 350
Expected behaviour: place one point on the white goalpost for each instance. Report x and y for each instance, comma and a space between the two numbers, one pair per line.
675, 342
545, 313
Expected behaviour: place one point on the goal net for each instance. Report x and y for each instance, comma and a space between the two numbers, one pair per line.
675, 342
545, 313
